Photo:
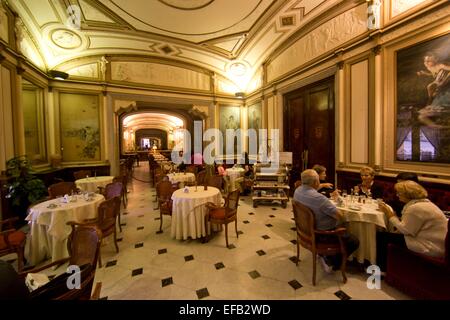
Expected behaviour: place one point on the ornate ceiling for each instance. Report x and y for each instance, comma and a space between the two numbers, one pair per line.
229, 37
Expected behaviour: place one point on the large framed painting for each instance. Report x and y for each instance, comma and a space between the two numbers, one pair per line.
80, 127
229, 118
254, 122
423, 102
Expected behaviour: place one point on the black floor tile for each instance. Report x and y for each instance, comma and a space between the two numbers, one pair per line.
265, 237
246, 221
261, 252
251, 213
189, 258
141, 216
119, 240
294, 241
158, 218
159, 232
140, 228
123, 224
272, 216
137, 272
294, 229
295, 284
293, 259
202, 293
111, 263
162, 251
342, 295
219, 265
166, 282
139, 245
240, 232
125, 213
231, 246
269, 225
254, 274
274, 209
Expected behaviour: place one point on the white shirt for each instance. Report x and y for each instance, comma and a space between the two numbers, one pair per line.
424, 226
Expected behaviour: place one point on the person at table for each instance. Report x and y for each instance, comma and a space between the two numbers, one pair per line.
368, 187
396, 204
326, 214
325, 187
422, 228
248, 179
221, 170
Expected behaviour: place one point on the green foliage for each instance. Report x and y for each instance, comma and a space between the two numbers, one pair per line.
24, 188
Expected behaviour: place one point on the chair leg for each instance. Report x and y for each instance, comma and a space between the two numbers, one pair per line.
314, 269
226, 234
160, 221
115, 241
343, 266
235, 226
120, 223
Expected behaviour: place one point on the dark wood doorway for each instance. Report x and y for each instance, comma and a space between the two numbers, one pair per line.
309, 128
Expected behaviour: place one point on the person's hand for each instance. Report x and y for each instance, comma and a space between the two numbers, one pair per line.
334, 195
386, 209
356, 189
327, 185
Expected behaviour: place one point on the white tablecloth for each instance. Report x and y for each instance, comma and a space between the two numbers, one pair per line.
363, 224
91, 184
48, 229
188, 212
181, 177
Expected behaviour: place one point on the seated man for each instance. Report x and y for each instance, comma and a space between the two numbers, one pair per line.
326, 214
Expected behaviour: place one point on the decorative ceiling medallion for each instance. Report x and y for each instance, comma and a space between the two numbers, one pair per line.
238, 69
187, 4
66, 39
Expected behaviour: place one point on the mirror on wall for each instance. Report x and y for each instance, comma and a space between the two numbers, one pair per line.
34, 122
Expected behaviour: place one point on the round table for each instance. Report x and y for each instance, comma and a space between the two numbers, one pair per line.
181, 177
189, 209
234, 174
91, 184
48, 226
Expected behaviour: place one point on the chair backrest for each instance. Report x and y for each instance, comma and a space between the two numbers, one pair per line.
113, 189
232, 202
107, 214
191, 169
61, 188
80, 174
305, 224
215, 181
201, 176
84, 247
164, 189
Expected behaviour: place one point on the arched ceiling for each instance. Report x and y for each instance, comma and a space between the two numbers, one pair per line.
155, 120
229, 37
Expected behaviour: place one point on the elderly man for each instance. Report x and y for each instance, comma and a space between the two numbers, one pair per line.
326, 214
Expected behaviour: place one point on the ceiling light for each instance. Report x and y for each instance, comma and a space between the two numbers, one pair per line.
58, 75
239, 95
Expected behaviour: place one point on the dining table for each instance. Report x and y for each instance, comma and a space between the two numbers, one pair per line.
234, 174
363, 219
189, 210
182, 177
48, 225
91, 184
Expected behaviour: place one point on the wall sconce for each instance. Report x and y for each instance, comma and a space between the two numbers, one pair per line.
58, 75
240, 95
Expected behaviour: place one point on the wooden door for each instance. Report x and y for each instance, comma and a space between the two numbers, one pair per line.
309, 128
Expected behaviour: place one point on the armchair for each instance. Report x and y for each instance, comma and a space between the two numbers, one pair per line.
308, 237
12, 240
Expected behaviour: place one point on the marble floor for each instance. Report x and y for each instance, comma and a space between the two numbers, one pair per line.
259, 265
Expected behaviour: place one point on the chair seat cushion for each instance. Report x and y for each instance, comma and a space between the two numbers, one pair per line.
15, 239
218, 213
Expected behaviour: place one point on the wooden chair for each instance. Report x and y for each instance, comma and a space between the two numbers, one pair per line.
114, 189
80, 174
223, 215
105, 221
61, 188
215, 181
84, 248
307, 237
201, 178
12, 240
124, 180
164, 191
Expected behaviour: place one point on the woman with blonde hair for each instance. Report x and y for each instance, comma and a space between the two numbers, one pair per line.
422, 228
368, 187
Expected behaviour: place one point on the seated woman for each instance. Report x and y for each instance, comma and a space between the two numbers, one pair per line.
221, 170
249, 177
395, 203
325, 188
423, 226
368, 187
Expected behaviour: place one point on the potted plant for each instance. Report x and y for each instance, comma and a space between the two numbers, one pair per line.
23, 187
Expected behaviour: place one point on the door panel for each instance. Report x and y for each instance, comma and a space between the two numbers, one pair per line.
309, 128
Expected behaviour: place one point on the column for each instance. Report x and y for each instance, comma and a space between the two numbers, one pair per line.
19, 128
378, 130
341, 115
